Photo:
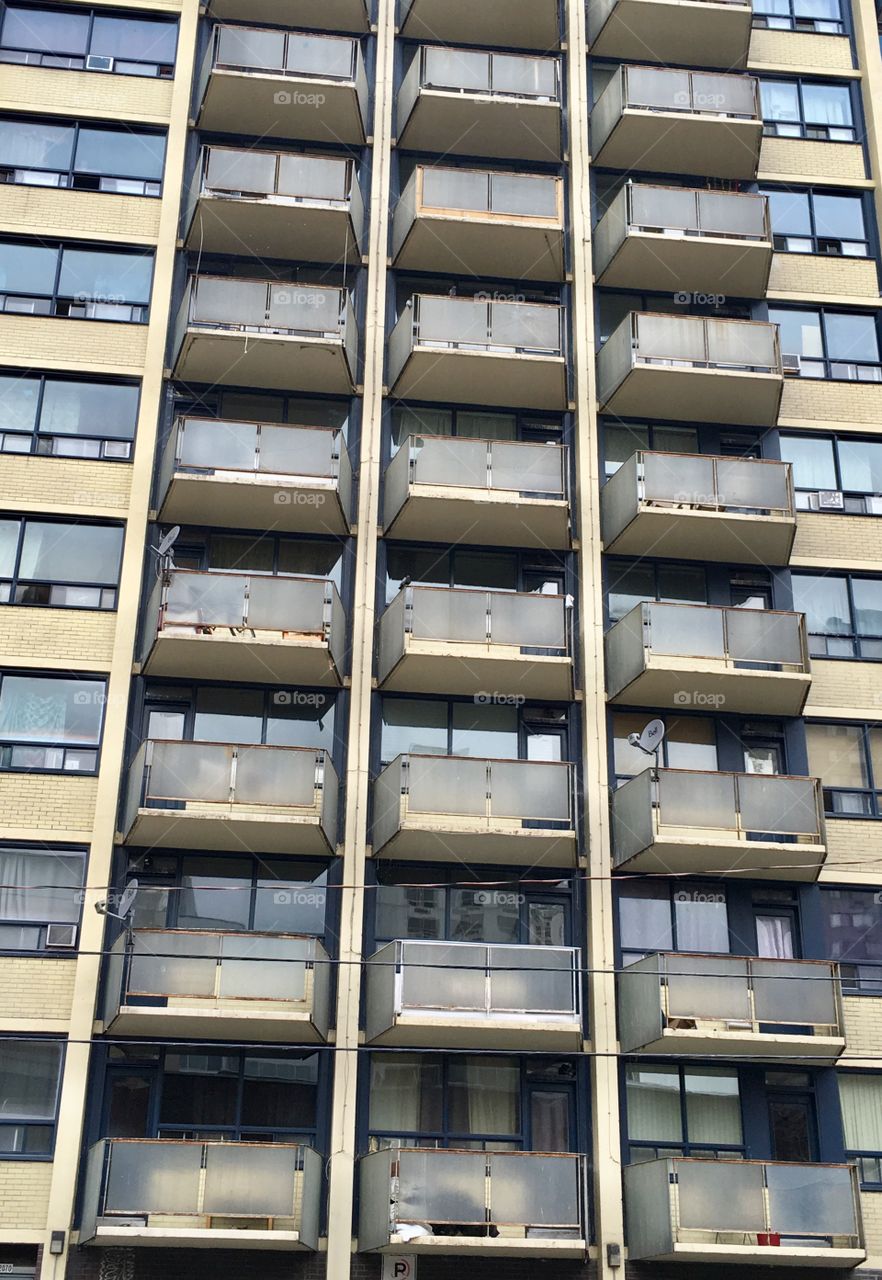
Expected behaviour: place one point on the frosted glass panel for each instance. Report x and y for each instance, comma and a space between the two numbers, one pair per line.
449, 461
757, 635
739, 215
678, 478
248, 171
146, 1177
295, 451
205, 599
450, 615
685, 631
539, 980
242, 1180
670, 207
531, 77
524, 195
437, 1186
787, 805
707, 987
534, 1190
720, 1197
228, 301
313, 310
277, 604
696, 800
320, 56
456, 68
528, 468
248, 47
809, 1201
670, 337
729, 95
530, 621
439, 977
760, 485
217, 444
525, 326
264, 968
787, 991
743, 344
525, 789
313, 177
455, 189
440, 784
190, 771
648, 87
265, 775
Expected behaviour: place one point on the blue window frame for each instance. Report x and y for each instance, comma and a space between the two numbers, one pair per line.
30, 1082
820, 110
82, 155
67, 417
83, 39
75, 281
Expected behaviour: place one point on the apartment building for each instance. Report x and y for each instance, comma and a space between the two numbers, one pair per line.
440, 747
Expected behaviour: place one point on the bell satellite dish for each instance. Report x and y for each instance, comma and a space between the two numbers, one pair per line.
168, 541
125, 903
650, 738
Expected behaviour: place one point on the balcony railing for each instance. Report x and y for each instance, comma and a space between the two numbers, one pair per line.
471, 71
268, 306
532, 1197
473, 324
742, 996
264, 1188
665, 89
188, 969
487, 193
506, 466
754, 1211
683, 804
287, 53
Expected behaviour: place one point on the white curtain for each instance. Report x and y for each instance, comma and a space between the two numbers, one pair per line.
395, 1094
653, 1095
861, 1101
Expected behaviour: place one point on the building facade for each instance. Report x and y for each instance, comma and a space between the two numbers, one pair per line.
518, 905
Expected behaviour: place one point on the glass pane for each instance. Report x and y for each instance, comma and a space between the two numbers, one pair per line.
824, 601
406, 1093
228, 715
32, 144
484, 1095
139, 39
52, 710
199, 1089
701, 918
29, 1077
861, 465
132, 154
779, 100
826, 103
789, 212
48, 30
645, 918
836, 755
94, 276
215, 893
800, 332
713, 1106
812, 459
653, 1103
867, 596
851, 337
27, 268
412, 726
71, 553
18, 403
841, 217
484, 915
40, 886
84, 408
280, 1092
485, 731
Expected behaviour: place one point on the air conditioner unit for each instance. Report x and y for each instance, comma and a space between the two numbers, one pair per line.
830, 500
97, 62
790, 363
873, 504
61, 937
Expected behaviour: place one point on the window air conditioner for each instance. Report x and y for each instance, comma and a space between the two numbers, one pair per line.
97, 62
61, 937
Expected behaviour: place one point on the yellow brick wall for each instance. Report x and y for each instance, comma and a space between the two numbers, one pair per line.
808, 273
852, 845
799, 49
72, 636
863, 1026
57, 343
24, 1194
36, 987
850, 685
787, 156
99, 215
47, 801
842, 538
838, 404
66, 482
84, 93
871, 1212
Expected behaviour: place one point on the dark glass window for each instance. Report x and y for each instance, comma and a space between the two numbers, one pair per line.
829, 344
30, 1078
76, 39
57, 563
50, 722
853, 935
818, 222
807, 109
80, 284
843, 614
82, 156
67, 417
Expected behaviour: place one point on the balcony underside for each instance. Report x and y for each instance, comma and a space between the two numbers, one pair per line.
272, 1021
282, 503
276, 361
504, 379
735, 267
763, 1255
448, 667
710, 853
674, 142
665, 681
196, 1237
443, 840
221, 654
500, 1246
312, 15
438, 513
703, 1042
485, 246
726, 537
734, 396
271, 228
494, 23
277, 106
685, 34
199, 828
475, 124
430, 1030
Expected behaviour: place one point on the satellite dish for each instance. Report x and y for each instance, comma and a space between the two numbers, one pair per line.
650, 739
169, 541
127, 899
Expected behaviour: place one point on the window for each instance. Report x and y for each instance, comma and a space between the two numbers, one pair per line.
38, 887
860, 1097
681, 1111
631, 583
473, 424
690, 742
50, 723
240, 1097
822, 17
843, 614
30, 1077
269, 717
261, 554
829, 344
82, 156
76, 39
530, 572
807, 109
58, 563
659, 917
491, 730
840, 465
853, 936
77, 283
67, 418
621, 440
848, 760
817, 222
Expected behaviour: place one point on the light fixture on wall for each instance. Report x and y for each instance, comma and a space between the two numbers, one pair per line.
56, 1242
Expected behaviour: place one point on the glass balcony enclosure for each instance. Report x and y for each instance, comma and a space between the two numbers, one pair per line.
533, 26
221, 796
481, 351
657, 237
662, 120
744, 1211
255, 475
231, 1195
706, 823
695, 506
516, 1202
491, 492
696, 33
753, 661
702, 369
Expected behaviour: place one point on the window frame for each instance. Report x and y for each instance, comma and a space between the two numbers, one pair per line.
7, 1122
36, 437
830, 363
162, 70
872, 792
792, 21
856, 638
7, 747
813, 235
807, 129
79, 309
15, 581
686, 1148
854, 500
39, 922
153, 188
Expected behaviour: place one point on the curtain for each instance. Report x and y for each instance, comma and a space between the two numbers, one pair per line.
395, 1094
29, 1080
861, 1100
713, 1107
774, 937
653, 1097
25, 871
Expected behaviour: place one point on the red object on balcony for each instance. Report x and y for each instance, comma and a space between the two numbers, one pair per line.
768, 1237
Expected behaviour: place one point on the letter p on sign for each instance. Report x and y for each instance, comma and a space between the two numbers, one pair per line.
400, 1268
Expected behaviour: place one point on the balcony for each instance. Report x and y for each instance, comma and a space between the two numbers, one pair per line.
756, 1213
315, 15
709, 1005
699, 368
495, 493
245, 627
511, 1203
479, 351
666, 121
201, 1195
518, 812
695, 506
275, 204
464, 995
268, 83
486, 222
685, 822
533, 26
697, 33
218, 986
675, 238
747, 661
223, 797
466, 102
439, 640
256, 475
267, 334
